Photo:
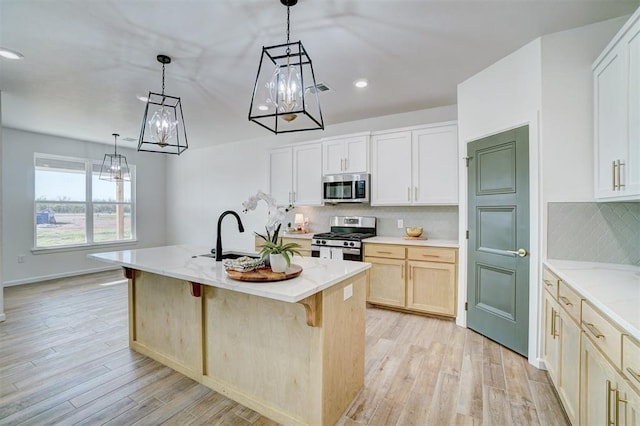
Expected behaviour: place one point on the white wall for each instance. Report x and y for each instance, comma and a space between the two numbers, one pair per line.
504, 96
18, 150
2, 315
203, 183
548, 85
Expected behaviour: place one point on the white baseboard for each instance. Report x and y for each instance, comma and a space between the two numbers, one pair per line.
31, 280
3, 317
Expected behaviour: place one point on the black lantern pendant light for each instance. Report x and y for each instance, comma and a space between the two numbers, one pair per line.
114, 166
163, 127
285, 98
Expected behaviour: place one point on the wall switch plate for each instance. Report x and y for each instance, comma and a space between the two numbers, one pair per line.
347, 292
400, 223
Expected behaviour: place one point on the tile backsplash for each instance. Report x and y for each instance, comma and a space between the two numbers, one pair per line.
439, 222
595, 232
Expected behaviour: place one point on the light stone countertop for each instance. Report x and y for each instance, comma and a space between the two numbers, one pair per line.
183, 262
305, 236
613, 289
402, 241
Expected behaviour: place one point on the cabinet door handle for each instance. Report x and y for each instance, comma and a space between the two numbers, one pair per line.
294, 196
415, 194
410, 271
402, 272
620, 184
553, 323
634, 374
548, 283
409, 194
346, 164
566, 301
613, 175
592, 328
609, 389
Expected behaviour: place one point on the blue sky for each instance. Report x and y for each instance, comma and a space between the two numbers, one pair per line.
55, 185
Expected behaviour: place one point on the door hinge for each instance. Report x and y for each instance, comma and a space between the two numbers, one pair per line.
467, 234
466, 160
466, 306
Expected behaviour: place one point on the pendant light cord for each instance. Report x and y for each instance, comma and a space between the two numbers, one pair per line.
163, 79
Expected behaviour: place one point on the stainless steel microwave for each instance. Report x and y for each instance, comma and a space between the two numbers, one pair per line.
346, 188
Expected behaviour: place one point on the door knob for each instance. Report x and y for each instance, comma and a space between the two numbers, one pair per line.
521, 252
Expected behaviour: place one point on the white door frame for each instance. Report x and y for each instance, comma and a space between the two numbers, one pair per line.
535, 237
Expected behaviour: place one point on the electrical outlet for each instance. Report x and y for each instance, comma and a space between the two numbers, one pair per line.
347, 292
21, 259
400, 223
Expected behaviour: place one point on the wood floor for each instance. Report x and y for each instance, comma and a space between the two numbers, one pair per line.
64, 360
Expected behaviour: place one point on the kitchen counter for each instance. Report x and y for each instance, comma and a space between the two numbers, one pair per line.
183, 262
612, 288
279, 348
305, 236
402, 241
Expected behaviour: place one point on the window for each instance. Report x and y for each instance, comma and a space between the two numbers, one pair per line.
73, 207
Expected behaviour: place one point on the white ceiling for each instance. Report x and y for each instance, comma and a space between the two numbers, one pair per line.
85, 60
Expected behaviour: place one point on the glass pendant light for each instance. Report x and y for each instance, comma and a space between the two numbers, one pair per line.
114, 166
281, 102
165, 131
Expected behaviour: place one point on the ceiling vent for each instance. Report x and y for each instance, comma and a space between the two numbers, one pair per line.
319, 87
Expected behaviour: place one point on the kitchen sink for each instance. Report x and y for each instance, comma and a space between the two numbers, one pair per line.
231, 255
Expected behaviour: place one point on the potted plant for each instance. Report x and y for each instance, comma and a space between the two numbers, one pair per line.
279, 254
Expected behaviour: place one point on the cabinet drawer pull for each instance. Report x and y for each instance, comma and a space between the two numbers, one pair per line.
634, 374
383, 252
548, 283
566, 301
592, 328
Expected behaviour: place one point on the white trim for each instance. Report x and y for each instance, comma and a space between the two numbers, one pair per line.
534, 233
56, 276
78, 247
3, 317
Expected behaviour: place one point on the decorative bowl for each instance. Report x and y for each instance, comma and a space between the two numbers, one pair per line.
414, 231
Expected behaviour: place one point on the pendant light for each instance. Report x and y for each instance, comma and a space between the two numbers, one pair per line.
114, 166
285, 98
163, 127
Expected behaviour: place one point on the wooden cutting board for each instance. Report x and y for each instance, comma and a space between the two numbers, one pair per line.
265, 274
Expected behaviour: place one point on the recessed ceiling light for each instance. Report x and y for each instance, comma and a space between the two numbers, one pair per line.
10, 54
142, 98
361, 83
263, 107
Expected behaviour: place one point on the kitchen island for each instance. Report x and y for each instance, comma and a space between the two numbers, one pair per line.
291, 350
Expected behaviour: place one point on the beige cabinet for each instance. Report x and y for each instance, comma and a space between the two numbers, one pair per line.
305, 244
616, 84
416, 279
561, 341
346, 154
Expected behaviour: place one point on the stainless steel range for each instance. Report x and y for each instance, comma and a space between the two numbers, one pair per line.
345, 239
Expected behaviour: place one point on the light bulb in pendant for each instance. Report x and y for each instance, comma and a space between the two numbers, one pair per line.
285, 90
163, 127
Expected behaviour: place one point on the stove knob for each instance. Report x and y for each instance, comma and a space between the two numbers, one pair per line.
352, 244
346, 243
324, 242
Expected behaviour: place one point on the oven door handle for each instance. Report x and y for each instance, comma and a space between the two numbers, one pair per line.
351, 251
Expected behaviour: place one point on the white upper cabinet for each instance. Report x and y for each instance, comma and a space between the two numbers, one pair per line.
307, 175
616, 83
346, 154
435, 165
416, 166
281, 175
295, 174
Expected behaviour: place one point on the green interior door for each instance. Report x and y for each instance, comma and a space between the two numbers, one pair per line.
498, 280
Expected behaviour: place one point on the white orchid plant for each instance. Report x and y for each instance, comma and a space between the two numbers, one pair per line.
275, 214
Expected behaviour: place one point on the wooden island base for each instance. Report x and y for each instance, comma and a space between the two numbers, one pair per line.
257, 351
